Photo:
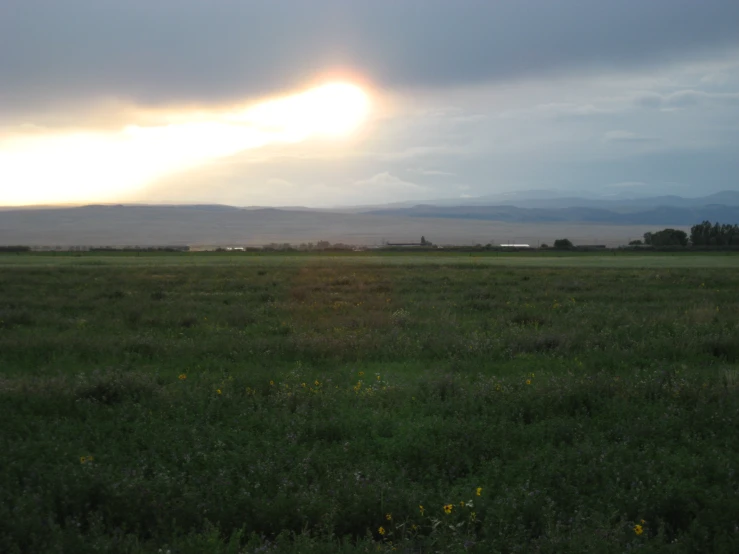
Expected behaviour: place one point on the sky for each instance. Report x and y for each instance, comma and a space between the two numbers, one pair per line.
347, 102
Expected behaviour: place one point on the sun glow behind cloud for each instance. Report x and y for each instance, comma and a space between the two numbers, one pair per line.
103, 166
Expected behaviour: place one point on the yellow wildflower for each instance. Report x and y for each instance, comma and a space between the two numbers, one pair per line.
414, 527
381, 530
302, 385
389, 516
461, 503
528, 381
479, 491
361, 373
271, 383
378, 377
218, 391
448, 508
83, 459
473, 516
421, 509
182, 377
638, 529
317, 383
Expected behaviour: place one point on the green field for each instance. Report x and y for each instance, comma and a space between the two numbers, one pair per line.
623, 259
300, 403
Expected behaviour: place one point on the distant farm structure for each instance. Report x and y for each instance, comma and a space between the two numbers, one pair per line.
423, 242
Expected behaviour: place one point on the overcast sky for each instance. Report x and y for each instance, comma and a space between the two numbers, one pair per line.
467, 97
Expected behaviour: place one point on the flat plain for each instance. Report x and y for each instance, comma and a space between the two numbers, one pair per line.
217, 225
533, 258
369, 402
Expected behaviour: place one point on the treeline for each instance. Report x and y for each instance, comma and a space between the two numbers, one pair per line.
666, 237
139, 249
704, 234
309, 246
321, 245
23, 248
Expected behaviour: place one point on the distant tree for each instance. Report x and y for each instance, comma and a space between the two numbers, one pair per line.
705, 234
563, 243
637, 242
544, 245
423, 240
666, 237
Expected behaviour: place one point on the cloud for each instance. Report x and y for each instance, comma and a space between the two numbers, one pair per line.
415, 136
649, 100
431, 172
627, 185
386, 180
625, 136
716, 78
561, 110
685, 99
417, 152
279, 183
174, 51
68, 167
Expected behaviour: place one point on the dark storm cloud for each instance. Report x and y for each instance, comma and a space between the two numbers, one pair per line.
183, 50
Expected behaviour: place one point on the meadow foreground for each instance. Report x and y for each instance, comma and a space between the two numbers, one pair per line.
363, 407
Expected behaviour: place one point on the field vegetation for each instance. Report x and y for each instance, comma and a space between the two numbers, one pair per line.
335, 405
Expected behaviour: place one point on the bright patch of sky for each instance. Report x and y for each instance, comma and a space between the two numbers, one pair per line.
624, 98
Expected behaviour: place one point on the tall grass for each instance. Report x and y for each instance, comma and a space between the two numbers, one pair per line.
316, 409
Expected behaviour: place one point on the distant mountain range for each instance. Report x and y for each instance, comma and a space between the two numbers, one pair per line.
526, 217
528, 208
546, 199
663, 215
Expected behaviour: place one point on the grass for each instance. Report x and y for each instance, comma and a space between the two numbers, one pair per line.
292, 404
534, 258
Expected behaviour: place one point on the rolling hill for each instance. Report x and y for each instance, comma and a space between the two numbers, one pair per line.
662, 215
204, 226
526, 218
